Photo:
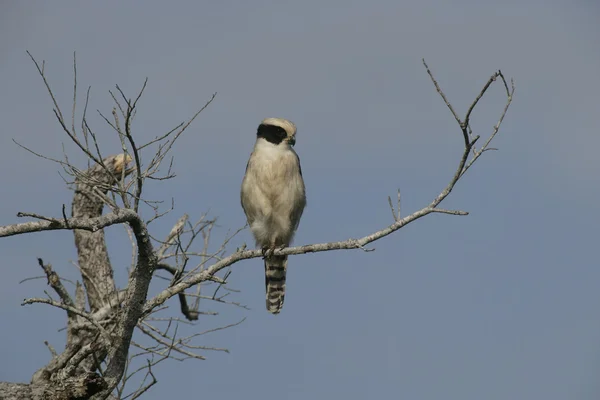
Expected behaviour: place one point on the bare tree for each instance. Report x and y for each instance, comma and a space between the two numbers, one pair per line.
101, 359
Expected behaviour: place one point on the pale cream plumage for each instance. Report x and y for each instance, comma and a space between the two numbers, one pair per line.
273, 198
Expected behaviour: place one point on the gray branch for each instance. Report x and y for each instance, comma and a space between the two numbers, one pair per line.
89, 224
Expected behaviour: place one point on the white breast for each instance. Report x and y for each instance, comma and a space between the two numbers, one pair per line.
274, 193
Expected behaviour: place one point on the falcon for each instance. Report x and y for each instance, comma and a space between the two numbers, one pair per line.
273, 198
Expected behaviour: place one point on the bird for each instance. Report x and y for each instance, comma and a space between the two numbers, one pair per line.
273, 197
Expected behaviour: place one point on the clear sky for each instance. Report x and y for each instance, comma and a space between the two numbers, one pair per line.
501, 304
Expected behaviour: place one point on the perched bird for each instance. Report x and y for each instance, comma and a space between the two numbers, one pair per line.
273, 198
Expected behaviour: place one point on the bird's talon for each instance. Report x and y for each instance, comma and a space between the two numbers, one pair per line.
270, 251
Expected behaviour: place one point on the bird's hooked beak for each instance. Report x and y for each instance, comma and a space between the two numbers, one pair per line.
292, 141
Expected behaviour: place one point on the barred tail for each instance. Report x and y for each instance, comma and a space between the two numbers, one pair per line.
275, 269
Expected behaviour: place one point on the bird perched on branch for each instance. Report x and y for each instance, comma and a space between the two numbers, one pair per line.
273, 198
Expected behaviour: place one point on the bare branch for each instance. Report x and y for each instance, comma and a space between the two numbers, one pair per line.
74, 92
509, 95
441, 93
53, 224
392, 208
56, 284
41, 72
69, 309
191, 315
451, 212
359, 243
183, 126
173, 235
170, 345
138, 393
138, 164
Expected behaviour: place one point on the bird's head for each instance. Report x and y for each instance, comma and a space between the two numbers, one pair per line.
277, 130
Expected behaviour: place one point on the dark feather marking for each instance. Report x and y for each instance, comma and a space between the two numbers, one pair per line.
271, 133
275, 268
273, 279
299, 166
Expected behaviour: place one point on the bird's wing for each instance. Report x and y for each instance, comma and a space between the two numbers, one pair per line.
252, 197
246, 203
298, 208
299, 166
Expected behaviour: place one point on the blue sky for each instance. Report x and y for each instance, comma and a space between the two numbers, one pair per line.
502, 304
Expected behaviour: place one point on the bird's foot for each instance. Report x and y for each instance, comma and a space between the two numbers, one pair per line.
268, 251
